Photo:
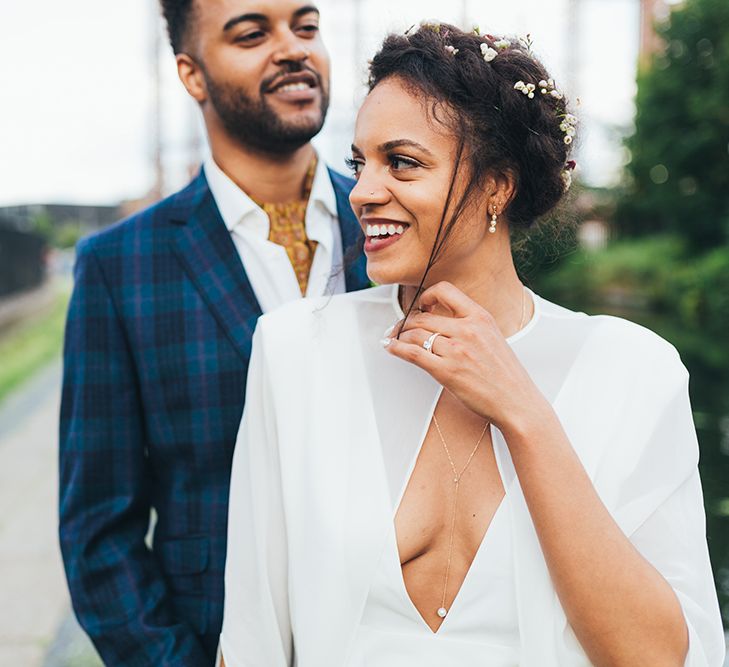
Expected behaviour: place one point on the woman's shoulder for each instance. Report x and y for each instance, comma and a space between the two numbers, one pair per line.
611, 339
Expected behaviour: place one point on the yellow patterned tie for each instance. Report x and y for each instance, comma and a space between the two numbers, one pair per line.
288, 229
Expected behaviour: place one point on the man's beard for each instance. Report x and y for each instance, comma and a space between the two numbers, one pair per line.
253, 122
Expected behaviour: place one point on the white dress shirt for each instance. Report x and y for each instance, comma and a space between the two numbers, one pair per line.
267, 264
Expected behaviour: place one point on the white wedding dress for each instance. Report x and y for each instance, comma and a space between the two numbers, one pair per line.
332, 426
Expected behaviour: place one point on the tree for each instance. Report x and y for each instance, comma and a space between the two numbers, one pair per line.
677, 179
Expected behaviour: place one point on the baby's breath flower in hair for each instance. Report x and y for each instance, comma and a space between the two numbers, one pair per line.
547, 88
451, 49
526, 88
488, 53
566, 174
567, 126
502, 44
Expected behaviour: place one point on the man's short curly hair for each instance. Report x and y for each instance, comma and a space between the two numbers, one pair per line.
177, 14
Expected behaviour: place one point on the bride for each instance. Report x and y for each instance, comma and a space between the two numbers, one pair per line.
495, 480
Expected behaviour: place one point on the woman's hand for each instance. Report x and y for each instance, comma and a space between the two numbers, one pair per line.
470, 357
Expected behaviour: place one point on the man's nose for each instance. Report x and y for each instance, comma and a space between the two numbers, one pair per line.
290, 48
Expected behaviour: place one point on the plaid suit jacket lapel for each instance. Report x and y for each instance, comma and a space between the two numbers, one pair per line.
204, 246
355, 262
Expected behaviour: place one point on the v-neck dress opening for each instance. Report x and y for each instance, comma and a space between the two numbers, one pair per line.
480, 628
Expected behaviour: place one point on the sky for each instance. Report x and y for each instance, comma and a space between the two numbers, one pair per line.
76, 112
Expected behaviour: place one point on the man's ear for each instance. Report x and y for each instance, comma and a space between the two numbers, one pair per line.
192, 77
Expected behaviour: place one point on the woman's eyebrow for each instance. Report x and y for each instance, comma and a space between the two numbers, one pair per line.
397, 143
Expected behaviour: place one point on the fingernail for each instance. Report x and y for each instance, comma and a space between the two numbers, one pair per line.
385, 342
388, 331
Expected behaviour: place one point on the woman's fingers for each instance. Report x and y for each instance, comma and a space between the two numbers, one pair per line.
449, 296
412, 351
418, 337
448, 326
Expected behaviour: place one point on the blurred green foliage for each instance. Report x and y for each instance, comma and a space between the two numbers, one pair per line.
62, 236
658, 275
677, 180
29, 346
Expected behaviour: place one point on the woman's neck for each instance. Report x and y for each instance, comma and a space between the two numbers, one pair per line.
494, 285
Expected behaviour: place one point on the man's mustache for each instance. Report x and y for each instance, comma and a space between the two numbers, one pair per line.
290, 68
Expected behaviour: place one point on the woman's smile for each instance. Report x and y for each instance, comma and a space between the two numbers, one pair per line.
381, 233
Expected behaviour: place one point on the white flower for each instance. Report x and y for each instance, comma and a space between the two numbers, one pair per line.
570, 119
526, 88
567, 179
502, 44
568, 139
556, 94
488, 53
543, 84
452, 50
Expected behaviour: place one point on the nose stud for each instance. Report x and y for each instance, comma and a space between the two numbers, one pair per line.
372, 193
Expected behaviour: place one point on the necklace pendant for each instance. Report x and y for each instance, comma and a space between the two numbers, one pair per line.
442, 612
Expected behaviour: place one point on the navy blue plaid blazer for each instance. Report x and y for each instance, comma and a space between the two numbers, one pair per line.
156, 354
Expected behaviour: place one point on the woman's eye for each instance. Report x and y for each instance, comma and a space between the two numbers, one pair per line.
355, 166
400, 163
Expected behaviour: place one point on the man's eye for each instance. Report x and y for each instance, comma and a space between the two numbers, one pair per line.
250, 37
311, 29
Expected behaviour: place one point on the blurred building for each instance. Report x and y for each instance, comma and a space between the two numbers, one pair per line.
652, 12
22, 259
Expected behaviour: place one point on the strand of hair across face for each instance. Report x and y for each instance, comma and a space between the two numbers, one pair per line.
436, 245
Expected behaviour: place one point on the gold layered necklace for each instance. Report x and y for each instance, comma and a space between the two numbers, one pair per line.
442, 610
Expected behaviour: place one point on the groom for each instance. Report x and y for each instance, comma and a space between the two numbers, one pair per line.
159, 331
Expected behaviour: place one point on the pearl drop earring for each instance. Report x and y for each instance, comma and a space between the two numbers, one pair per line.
494, 218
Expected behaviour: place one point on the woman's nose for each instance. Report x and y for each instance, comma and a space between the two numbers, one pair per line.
367, 190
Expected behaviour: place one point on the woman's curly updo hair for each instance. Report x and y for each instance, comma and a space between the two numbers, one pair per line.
500, 129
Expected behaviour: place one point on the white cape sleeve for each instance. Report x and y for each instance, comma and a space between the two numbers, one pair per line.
256, 623
666, 521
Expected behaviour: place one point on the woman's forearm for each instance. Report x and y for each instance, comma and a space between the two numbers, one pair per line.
620, 607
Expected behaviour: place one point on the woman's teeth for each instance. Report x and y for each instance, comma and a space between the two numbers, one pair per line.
384, 230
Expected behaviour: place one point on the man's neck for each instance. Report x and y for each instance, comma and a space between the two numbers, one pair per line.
266, 178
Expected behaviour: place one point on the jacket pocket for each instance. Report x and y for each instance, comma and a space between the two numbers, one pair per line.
184, 560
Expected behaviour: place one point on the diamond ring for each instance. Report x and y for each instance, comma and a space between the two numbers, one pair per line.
428, 344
